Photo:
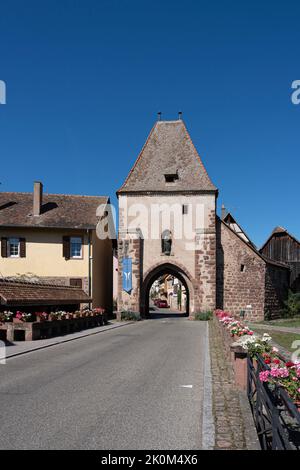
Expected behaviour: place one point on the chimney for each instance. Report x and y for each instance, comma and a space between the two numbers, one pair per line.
37, 197
223, 212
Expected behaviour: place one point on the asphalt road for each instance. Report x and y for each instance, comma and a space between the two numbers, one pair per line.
121, 389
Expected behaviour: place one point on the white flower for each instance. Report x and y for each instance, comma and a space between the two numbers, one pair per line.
266, 337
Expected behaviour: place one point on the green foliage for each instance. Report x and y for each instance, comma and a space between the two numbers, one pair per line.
268, 315
129, 315
292, 304
203, 316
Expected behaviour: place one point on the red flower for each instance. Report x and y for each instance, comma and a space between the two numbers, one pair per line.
267, 361
289, 364
276, 361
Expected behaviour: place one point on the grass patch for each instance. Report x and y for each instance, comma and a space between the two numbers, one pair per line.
291, 322
282, 339
203, 316
128, 315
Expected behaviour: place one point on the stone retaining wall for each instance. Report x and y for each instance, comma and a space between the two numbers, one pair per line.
30, 331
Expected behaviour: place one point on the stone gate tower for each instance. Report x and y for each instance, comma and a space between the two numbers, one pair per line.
167, 221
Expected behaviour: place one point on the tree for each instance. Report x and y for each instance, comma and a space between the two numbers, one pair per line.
292, 304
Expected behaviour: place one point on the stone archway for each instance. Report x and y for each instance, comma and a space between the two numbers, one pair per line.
156, 271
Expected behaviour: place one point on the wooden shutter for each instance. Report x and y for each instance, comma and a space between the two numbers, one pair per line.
4, 247
76, 283
66, 247
22, 248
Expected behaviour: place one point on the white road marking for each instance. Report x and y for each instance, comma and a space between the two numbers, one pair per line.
186, 386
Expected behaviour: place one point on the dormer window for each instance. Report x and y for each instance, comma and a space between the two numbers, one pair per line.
171, 177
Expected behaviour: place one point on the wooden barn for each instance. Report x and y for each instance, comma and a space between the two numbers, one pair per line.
283, 247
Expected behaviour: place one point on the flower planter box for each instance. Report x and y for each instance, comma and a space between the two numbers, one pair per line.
235, 355
53, 326
41, 319
239, 359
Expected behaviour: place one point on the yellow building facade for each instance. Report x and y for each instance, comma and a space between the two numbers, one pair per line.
52, 238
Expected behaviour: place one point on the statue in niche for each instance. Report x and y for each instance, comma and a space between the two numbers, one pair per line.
166, 242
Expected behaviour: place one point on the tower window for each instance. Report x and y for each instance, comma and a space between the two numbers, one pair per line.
185, 209
171, 178
243, 268
166, 242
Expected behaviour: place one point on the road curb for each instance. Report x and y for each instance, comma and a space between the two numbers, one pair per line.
92, 333
208, 424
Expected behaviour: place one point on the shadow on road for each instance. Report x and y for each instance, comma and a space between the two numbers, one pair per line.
155, 313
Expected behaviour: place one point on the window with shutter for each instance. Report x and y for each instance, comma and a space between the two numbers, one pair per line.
13, 247
76, 247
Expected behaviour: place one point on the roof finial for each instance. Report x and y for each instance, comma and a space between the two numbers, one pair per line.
159, 115
179, 115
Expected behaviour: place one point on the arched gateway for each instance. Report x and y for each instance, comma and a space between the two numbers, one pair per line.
168, 225
166, 268
167, 222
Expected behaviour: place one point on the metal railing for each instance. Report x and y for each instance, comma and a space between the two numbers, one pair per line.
275, 415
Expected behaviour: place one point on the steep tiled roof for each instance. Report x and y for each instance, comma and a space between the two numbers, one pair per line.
58, 210
168, 150
31, 293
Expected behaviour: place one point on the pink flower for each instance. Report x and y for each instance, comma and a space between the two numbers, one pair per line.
279, 372
264, 376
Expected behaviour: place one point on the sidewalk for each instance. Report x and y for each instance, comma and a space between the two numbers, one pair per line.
234, 426
18, 348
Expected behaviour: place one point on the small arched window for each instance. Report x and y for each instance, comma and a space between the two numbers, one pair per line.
166, 242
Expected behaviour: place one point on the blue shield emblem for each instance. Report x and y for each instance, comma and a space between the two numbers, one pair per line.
127, 274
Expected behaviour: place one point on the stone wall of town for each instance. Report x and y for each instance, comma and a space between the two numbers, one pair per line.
240, 275
130, 246
205, 266
194, 257
276, 290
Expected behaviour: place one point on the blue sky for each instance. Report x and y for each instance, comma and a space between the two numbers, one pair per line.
85, 80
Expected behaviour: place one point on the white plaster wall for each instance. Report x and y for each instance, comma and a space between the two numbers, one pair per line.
153, 214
